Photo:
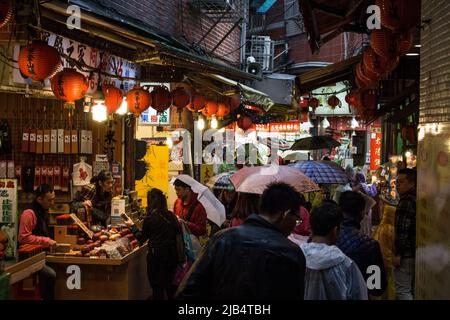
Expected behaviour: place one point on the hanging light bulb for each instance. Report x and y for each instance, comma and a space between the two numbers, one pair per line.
408, 154
325, 123
214, 123
99, 112
123, 109
354, 123
354, 133
200, 123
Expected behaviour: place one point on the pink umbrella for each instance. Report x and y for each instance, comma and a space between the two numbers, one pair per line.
256, 179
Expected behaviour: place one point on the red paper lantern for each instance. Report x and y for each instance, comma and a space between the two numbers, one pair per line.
333, 101
235, 101
198, 103
138, 100
113, 98
304, 116
303, 102
6, 12
210, 108
314, 103
223, 109
399, 14
69, 85
181, 97
38, 60
383, 43
244, 122
404, 42
161, 98
377, 65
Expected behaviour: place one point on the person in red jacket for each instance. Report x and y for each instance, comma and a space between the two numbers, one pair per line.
189, 209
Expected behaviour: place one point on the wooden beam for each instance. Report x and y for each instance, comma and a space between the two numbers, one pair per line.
327, 9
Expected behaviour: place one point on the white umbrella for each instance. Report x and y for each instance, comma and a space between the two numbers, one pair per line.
215, 211
295, 155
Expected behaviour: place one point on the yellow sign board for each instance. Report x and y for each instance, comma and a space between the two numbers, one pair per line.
157, 176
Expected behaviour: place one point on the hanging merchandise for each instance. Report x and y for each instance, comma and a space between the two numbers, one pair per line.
43, 175
67, 134
25, 140
60, 131
116, 170
38, 60
82, 173
53, 141
37, 177
100, 163
74, 136
161, 98
69, 85
39, 140
50, 176
65, 179
18, 176
47, 131
57, 177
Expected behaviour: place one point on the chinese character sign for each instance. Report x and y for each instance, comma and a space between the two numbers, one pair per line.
8, 201
152, 117
375, 149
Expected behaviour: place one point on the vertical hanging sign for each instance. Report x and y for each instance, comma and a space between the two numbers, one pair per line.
8, 214
375, 148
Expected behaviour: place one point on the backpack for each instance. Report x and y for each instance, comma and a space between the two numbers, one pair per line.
179, 240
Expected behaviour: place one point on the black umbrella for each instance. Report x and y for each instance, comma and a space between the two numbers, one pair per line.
315, 143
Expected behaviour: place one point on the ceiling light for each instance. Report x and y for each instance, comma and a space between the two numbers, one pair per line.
325, 123
99, 112
214, 123
412, 54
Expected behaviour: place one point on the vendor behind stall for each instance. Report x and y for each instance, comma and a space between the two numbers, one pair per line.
34, 230
96, 198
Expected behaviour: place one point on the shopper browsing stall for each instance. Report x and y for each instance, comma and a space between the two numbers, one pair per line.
34, 230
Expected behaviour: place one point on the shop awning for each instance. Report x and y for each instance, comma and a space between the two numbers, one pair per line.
225, 86
328, 75
326, 19
139, 42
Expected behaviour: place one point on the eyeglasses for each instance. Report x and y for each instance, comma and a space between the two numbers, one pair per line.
299, 219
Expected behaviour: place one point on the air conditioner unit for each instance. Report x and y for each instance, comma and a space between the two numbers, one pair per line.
262, 49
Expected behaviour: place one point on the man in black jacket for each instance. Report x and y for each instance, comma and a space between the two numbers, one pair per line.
254, 260
364, 251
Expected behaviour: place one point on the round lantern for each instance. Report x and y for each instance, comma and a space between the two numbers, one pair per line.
333, 101
244, 122
113, 98
198, 103
303, 102
399, 14
404, 42
69, 85
235, 101
314, 103
210, 108
365, 81
38, 60
161, 98
138, 100
383, 43
304, 116
223, 109
181, 97
6, 12
375, 64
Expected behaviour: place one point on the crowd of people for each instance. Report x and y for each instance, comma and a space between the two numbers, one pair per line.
273, 245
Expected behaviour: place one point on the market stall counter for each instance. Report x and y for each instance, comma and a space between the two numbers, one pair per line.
101, 278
